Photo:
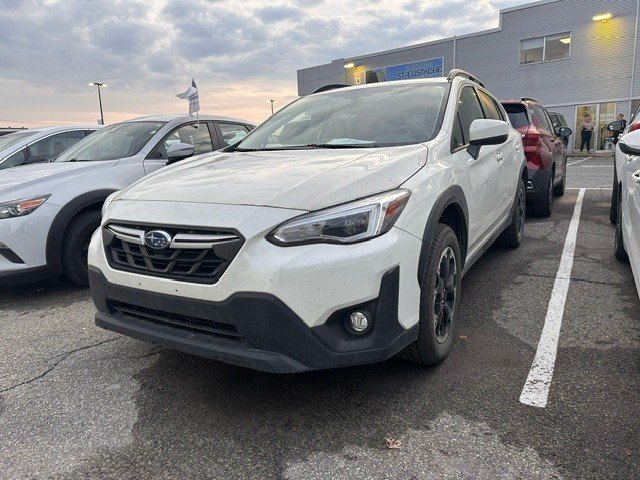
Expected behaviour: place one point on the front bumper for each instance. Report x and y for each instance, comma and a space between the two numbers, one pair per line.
23, 244
254, 330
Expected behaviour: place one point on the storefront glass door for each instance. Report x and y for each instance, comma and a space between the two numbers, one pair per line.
582, 111
606, 115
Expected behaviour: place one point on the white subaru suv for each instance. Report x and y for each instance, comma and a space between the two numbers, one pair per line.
336, 233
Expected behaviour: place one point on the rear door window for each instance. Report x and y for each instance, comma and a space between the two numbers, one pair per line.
232, 133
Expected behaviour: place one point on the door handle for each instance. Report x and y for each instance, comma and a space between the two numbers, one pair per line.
517, 147
636, 176
499, 157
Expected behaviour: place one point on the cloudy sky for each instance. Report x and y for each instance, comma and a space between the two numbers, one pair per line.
241, 53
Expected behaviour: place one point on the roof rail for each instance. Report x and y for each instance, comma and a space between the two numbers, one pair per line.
524, 99
456, 72
332, 86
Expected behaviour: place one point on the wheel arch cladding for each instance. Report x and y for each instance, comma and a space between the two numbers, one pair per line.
55, 238
451, 209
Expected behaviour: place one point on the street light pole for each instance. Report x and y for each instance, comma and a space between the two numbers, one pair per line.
272, 102
98, 84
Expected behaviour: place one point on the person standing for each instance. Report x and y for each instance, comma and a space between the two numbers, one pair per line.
586, 131
623, 122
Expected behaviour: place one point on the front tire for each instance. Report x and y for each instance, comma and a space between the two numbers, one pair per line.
512, 236
76, 246
618, 241
613, 210
439, 295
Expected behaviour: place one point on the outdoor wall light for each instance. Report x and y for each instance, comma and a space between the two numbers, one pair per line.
602, 17
349, 65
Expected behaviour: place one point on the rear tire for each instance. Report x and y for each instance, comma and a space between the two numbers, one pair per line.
512, 236
76, 244
543, 207
558, 190
618, 241
613, 210
439, 294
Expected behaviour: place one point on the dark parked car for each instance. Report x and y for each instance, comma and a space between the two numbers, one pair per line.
545, 150
558, 121
8, 130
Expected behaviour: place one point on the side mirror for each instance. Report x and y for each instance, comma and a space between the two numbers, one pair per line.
615, 126
179, 151
564, 132
32, 160
630, 143
486, 132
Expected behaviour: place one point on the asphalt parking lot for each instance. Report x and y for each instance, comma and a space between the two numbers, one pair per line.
79, 402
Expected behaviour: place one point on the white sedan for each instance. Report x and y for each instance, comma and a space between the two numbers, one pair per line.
627, 236
39, 145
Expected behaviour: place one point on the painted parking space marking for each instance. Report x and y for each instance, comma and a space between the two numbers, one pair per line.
579, 161
536, 389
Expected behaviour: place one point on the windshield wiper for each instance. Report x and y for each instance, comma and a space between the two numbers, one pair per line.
342, 145
239, 149
305, 147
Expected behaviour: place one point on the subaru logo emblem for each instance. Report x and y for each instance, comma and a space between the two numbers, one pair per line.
157, 239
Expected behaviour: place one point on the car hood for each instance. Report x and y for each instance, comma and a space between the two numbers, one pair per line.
295, 179
42, 178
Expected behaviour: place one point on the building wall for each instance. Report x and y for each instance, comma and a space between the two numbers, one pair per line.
599, 68
310, 79
601, 53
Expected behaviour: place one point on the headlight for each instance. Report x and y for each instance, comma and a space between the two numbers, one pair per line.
22, 207
349, 223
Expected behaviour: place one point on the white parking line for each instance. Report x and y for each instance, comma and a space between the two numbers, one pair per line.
579, 161
536, 389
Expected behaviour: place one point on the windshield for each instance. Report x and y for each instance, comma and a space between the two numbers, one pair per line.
11, 139
115, 141
364, 117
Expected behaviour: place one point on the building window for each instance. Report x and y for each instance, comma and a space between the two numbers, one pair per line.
545, 49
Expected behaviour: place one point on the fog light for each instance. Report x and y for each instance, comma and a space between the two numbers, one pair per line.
358, 322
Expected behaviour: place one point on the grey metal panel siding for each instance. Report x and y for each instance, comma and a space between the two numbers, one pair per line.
599, 68
636, 82
312, 78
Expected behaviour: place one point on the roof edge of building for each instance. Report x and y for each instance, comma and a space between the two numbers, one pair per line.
450, 39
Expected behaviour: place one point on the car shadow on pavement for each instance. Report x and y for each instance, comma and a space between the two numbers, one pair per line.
43, 294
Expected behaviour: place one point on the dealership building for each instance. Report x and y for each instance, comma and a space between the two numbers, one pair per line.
576, 57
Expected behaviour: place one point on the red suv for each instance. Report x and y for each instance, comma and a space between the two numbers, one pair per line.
545, 151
